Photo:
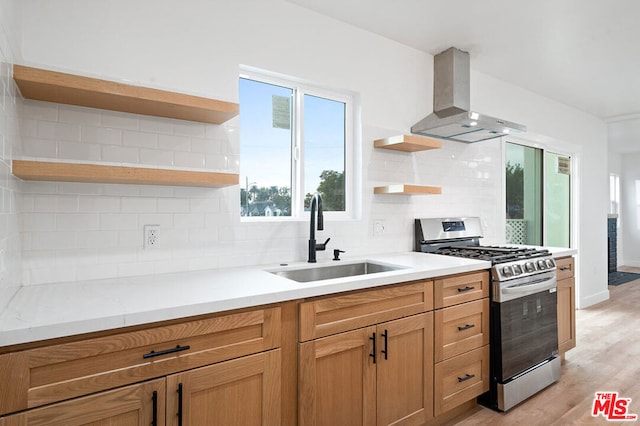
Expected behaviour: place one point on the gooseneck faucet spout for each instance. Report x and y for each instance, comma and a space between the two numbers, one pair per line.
316, 208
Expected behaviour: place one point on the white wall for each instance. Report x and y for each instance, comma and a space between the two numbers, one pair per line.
10, 264
80, 231
630, 208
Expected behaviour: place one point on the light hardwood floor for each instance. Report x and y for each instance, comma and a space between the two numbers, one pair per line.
606, 358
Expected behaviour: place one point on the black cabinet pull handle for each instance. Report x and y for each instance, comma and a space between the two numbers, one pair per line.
565, 268
466, 327
154, 419
466, 377
467, 288
179, 413
373, 353
166, 351
385, 351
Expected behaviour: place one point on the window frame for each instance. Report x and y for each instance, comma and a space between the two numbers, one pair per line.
574, 181
301, 88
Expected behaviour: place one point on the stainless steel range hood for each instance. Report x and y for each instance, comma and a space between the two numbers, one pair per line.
452, 118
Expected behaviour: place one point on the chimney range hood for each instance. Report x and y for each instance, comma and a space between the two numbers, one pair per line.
451, 118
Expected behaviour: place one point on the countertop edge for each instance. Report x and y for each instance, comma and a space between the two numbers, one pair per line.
37, 313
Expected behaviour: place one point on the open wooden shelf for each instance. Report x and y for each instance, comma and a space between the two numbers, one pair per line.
407, 143
404, 189
92, 173
53, 86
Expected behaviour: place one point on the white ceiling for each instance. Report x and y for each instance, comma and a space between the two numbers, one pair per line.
584, 53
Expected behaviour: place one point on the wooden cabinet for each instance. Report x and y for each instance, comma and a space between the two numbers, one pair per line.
453, 290
566, 304
461, 345
377, 374
135, 405
325, 316
243, 391
226, 358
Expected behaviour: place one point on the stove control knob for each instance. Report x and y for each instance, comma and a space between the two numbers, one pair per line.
530, 267
507, 271
542, 264
517, 270
550, 264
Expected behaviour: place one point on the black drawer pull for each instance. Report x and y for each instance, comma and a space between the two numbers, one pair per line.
466, 377
166, 351
565, 268
154, 399
179, 413
467, 288
373, 353
466, 327
385, 351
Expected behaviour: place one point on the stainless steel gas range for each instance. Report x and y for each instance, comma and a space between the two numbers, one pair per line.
523, 317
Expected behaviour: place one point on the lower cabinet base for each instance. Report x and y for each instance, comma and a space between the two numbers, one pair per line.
456, 414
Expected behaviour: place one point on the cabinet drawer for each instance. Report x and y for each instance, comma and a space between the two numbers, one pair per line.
331, 315
461, 328
458, 289
57, 372
566, 268
460, 379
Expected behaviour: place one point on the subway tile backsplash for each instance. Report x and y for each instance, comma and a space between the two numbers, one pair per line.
10, 253
81, 231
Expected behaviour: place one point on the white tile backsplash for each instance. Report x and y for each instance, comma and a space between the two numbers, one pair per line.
10, 222
78, 231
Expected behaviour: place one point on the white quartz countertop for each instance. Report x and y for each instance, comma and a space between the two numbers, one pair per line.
41, 312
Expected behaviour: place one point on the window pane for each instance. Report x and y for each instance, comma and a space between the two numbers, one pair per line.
324, 151
265, 157
524, 194
558, 197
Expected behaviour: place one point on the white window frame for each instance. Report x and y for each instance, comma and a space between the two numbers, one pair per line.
352, 177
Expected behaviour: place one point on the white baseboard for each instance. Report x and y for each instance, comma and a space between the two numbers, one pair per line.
593, 299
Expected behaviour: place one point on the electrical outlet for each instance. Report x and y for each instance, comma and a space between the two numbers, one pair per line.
378, 227
151, 236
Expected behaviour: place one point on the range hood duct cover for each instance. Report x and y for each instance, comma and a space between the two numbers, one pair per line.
451, 118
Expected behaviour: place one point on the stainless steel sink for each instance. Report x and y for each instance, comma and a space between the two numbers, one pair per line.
318, 273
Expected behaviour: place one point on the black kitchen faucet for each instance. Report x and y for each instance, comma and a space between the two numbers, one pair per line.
315, 204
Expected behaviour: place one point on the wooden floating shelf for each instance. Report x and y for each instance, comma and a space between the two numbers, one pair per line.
407, 143
53, 86
404, 189
91, 173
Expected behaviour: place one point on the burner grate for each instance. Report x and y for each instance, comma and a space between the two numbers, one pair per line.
493, 254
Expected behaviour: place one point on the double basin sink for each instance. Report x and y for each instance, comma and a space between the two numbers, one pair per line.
343, 270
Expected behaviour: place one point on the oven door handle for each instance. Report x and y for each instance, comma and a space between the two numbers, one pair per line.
539, 285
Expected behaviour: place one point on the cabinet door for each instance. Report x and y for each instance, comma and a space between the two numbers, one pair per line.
566, 315
405, 371
136, 405
337, 380
244, 391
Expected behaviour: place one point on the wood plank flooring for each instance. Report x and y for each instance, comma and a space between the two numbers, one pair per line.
606, 358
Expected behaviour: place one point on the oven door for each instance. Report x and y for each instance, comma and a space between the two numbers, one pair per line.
526, 330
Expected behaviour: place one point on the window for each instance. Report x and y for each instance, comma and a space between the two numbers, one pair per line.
538, 196
614, 194
294, 140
